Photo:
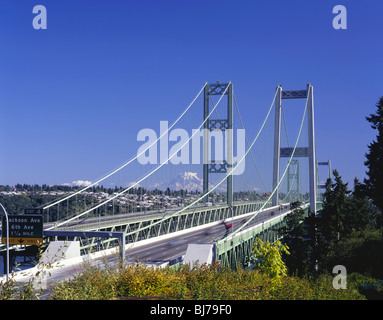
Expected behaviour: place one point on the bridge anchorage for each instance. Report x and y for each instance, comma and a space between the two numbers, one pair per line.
226, 231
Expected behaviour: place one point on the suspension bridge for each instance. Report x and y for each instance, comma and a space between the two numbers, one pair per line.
216, 217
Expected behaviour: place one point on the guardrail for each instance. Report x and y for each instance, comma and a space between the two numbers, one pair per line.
120, 236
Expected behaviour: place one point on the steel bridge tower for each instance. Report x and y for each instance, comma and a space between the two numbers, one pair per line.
308, 152
293, 181
222, 166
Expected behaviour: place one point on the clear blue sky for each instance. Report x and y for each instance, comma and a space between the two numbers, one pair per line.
103, 70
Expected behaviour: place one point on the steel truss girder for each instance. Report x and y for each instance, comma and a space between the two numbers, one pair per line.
142, 230
237, 251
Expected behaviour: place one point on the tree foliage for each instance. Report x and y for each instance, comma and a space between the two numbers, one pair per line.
374, 158
336, 205
295, 235
361, 251
344, 211
267, 258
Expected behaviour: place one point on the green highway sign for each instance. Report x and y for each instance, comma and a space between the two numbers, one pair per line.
33, 211
23, 229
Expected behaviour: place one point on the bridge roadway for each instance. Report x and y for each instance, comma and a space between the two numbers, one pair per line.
162, 251
108, 221
166, 250
145, 225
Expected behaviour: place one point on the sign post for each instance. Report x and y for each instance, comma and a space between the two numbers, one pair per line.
6, 226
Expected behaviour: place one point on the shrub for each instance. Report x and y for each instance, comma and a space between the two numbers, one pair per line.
140, 280
207, 282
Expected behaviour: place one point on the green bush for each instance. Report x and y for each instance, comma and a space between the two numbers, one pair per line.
139, 280
93, 283
371, 288
207, 282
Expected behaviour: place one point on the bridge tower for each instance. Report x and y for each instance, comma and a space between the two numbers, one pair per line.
328, 164
308, 152
221, 166
293, 181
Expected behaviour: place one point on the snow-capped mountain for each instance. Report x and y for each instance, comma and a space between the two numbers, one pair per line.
187, 181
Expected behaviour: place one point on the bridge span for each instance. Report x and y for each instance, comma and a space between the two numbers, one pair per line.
162, 236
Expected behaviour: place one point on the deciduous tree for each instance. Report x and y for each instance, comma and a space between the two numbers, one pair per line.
267, 258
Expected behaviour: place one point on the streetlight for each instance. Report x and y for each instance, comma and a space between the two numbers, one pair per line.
6, 217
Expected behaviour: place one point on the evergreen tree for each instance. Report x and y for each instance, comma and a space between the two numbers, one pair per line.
336, 206
293, 234
360, 215
374, 162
